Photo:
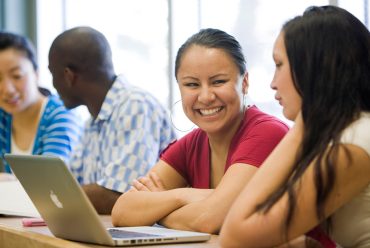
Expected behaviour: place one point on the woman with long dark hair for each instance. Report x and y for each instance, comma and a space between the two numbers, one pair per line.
320, 172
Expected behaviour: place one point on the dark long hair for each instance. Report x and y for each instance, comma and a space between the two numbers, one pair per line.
329, 55
214, 38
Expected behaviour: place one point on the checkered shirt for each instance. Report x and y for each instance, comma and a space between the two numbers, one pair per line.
124, 141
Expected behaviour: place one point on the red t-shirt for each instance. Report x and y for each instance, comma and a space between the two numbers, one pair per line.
318, 234
256, 137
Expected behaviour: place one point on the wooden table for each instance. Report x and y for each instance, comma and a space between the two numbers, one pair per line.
14, 235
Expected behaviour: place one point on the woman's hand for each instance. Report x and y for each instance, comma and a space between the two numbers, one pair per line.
148, 183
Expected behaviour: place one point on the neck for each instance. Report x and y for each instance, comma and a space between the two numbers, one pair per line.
29, 114
97, 95
220, 141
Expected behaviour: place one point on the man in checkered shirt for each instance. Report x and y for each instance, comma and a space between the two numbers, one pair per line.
128, 127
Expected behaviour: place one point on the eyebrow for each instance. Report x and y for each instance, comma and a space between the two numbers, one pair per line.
218, 75
15, 68
188, 77
212, 77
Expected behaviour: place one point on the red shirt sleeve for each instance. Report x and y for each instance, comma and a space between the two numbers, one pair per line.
257, 137
189, 157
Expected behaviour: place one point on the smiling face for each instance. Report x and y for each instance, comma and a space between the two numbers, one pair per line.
282, 82
211, 89
18, 81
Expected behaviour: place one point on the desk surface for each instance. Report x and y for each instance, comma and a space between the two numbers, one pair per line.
13, 234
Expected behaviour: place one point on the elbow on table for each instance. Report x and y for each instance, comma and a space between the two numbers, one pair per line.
117, 217
121, 215
121, 212
234, 235
230, 240
207, 224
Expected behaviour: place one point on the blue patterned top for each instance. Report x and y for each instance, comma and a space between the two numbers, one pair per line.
58, 131
124, 141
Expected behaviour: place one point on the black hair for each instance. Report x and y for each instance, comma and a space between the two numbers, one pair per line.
84, 50
329, 55
214, 38
20, 43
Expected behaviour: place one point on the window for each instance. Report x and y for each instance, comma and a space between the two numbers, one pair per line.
145, 35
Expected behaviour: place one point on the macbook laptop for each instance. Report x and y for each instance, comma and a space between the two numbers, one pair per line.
68, 212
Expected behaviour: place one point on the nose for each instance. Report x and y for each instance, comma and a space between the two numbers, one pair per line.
273, 84
206, 95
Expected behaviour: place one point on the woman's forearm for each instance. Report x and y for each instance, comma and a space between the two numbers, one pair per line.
208, 214
196, 216
143, 208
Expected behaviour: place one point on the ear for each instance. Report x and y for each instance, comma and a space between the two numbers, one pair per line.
70, 76
245, 84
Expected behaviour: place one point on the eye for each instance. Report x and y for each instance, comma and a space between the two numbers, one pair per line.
219, 81
190, 84
17, 76
279, 64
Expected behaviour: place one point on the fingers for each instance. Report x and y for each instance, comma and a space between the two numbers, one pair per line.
157, 181
149, 183
132, 189
144, 184
139, 186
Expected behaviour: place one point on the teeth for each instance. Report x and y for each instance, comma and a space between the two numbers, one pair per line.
209, 111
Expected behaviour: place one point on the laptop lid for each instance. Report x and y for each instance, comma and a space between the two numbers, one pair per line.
68, 212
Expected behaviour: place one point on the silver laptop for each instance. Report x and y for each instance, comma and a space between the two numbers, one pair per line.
69, 213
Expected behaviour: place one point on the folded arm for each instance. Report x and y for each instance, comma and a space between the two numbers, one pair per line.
143, 206
207, 215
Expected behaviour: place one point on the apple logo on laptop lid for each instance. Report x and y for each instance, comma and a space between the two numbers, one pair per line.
54, 198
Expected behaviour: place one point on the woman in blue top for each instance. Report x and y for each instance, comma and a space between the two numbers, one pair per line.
32, 121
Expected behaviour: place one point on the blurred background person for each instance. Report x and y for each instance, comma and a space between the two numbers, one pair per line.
32, 120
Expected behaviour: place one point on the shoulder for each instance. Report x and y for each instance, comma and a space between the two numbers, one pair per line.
257, 120
55, 109
186, 148
125, 95
190, 140
54, 103
357, 132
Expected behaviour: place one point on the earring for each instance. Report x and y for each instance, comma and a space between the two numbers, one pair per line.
182, 116
243, 103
